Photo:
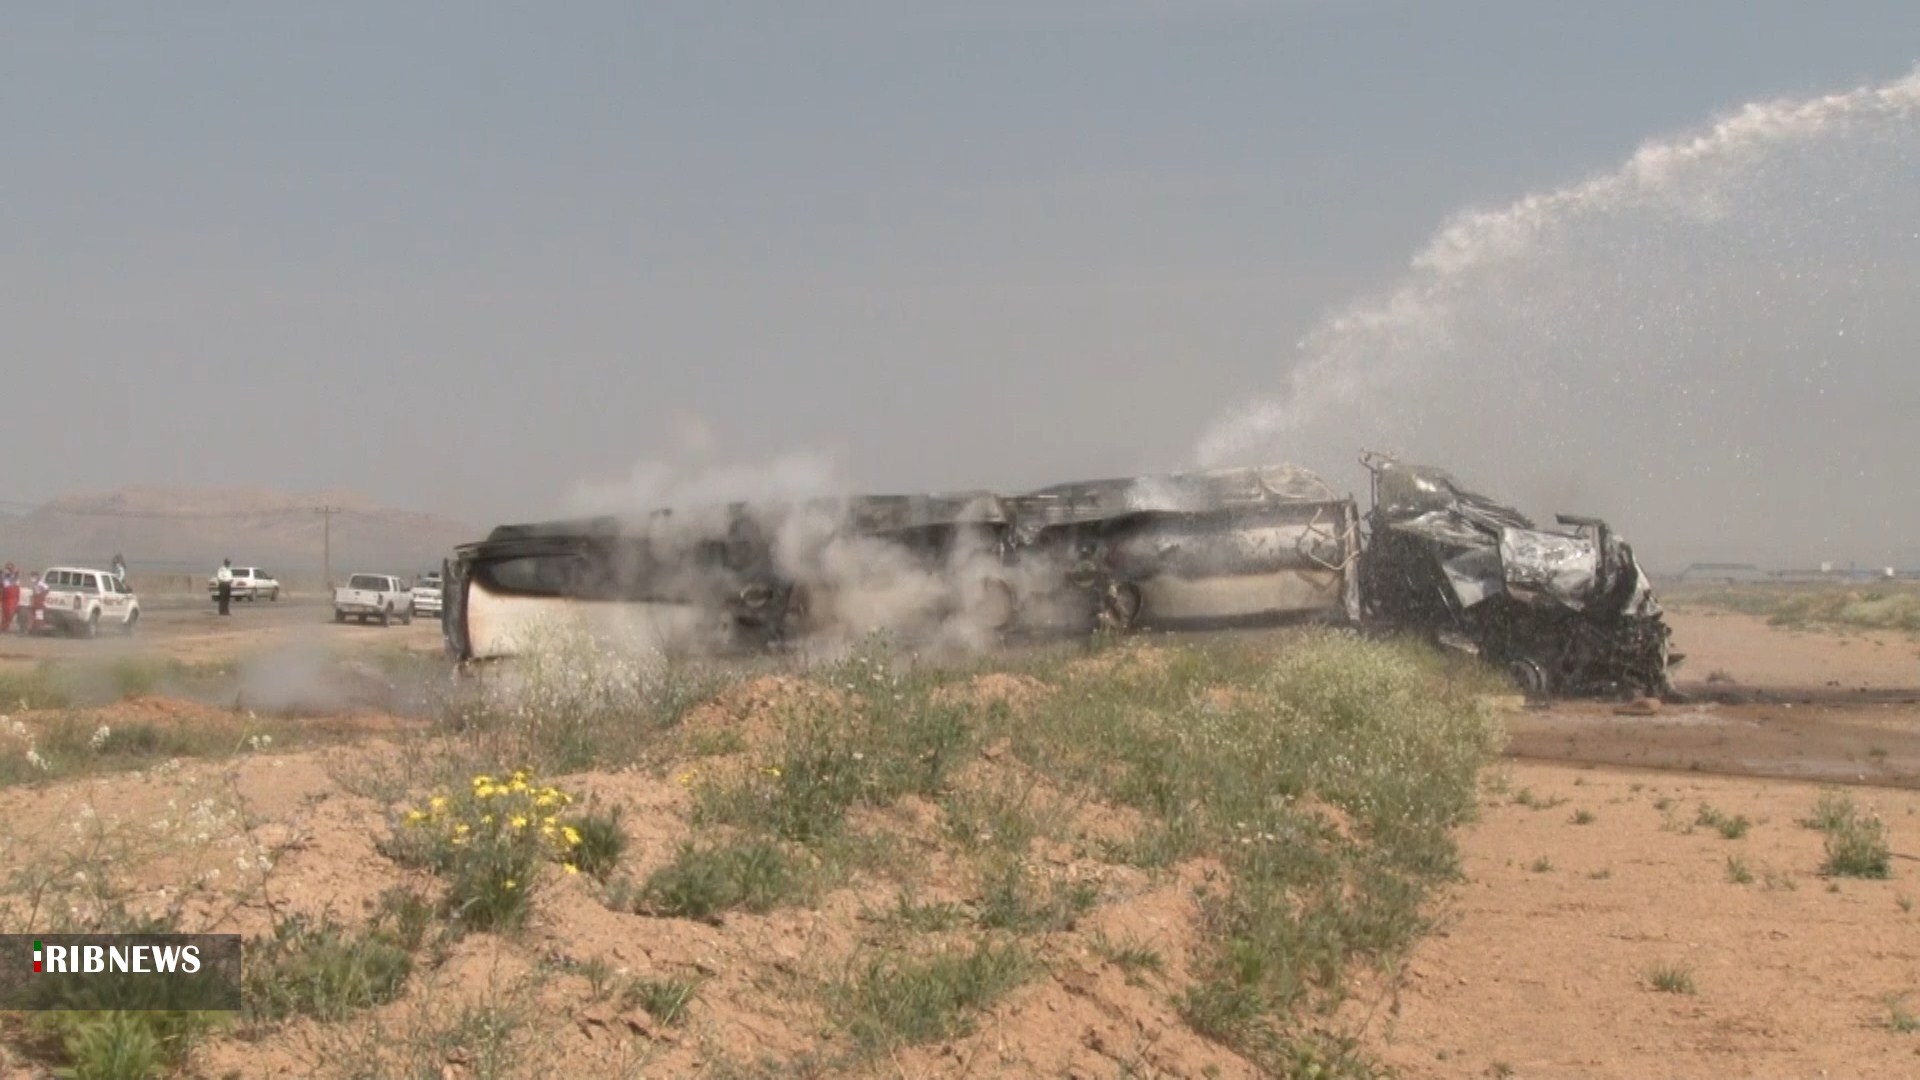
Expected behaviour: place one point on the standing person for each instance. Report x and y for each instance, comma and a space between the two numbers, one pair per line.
38, 613
9, 596
225, 577
120, 568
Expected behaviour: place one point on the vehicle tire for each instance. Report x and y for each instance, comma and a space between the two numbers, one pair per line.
273, 597
133, 620
1530, 677
407, 619
386, 617
93, 626
339, 616
1120, 608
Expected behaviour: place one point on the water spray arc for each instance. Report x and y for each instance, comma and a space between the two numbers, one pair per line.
1658, 322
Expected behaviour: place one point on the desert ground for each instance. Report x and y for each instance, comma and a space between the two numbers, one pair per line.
1030, 883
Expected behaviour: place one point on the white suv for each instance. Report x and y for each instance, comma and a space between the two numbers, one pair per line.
249, 583
81, 601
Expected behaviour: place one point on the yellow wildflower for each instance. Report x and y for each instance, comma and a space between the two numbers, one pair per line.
572, 835
519, 822
486, 819
415, 817
482, 780
461, 829
437, 803
509, 883
572, 869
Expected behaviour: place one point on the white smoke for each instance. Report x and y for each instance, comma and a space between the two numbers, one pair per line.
797, 506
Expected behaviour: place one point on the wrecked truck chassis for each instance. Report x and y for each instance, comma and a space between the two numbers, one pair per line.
1564, 611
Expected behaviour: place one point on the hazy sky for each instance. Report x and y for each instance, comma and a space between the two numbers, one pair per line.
464, 257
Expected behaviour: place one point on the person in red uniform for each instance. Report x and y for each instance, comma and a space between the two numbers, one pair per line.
9, 596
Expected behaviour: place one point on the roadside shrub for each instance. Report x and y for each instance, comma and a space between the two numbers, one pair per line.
602, 843
1857, 847
1834, 809
1731, 827
892, 1001
666, 1000
1671, 979
883, 737
325, 970
124, 1031
31, 690
571, 702
490, 842
702, 882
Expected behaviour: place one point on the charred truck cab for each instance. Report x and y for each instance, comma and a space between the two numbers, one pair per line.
1565, 611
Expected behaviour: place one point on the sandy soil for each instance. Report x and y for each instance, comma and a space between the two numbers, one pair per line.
1543, 971
1761, 700
1540, 970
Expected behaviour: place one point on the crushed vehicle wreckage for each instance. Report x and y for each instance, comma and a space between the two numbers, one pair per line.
1566, 612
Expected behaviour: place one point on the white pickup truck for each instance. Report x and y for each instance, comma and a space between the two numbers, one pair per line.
373, 596
79, 602
426, 594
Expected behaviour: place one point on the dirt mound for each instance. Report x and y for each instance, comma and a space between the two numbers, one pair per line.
1015, 692
1134, 658
159, 710
754, 711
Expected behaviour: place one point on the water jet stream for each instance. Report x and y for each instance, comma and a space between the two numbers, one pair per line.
1714, 344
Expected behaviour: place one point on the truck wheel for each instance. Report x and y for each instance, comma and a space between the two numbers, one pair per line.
386, 616
93, 626
407, 619
339, 616
1120, 608
273, 597
133, 620
1530, 677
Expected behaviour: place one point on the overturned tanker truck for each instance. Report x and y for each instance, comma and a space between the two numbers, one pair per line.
1564, 611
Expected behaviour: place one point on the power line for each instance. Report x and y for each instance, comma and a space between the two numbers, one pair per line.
326, 542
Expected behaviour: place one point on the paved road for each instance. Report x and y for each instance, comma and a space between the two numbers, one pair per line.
179, 628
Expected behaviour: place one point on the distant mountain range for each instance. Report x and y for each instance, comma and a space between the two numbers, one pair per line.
166, 530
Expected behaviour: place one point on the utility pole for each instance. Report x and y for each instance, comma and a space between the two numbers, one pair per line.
326, 541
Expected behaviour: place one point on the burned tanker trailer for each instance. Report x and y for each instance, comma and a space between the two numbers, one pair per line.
1229, 546
695, 579
1564, 612
736, 576
1232, 546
